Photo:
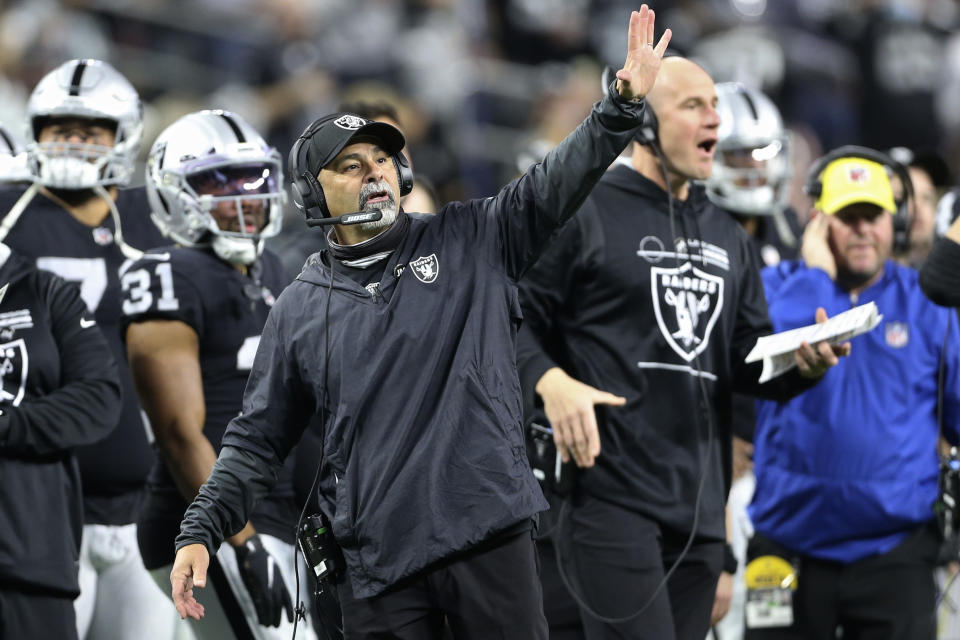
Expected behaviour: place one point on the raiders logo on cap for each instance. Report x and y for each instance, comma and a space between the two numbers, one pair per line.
350, 122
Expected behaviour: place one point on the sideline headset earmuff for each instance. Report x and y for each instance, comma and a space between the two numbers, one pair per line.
901, 218
649, 132
307, 192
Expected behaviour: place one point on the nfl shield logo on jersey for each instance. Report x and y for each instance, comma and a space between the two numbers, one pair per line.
13, 371
426, 268
897, 334
687, 303
102, 236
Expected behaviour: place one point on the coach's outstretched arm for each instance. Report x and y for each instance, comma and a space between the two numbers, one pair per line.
242, 476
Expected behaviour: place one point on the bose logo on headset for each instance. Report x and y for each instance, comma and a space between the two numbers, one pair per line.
901, 218
320, 143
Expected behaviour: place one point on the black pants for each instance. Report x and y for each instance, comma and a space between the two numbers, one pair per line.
616, 558
492, 591
891, 596
561, 610
27, 615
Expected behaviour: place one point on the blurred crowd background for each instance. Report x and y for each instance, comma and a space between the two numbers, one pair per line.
484, 87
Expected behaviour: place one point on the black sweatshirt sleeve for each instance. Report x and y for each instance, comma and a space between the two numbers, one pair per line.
753, 321
543, 292
940, 275
780, 389
86, 406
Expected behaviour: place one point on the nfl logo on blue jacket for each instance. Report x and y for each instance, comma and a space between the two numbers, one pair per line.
897, 334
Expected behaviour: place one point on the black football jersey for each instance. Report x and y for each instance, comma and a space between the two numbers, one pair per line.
227, 310
114, 469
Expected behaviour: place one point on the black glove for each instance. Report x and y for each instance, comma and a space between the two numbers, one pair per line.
261, 576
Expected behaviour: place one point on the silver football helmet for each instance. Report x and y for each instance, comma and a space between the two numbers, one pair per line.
89, 89
211, 164
751, 165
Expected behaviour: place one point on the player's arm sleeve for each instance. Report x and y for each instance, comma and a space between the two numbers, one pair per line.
276, 408
544, 291
940, 274
86, 406
517, 223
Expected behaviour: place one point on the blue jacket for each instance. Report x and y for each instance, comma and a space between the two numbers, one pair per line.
849, 468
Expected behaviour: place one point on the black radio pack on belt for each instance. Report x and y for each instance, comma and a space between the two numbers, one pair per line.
555, 476
320, 549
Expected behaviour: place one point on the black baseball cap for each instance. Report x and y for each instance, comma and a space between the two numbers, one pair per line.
333, 132
927, 160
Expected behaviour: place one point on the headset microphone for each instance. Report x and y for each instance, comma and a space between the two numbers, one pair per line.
357, 217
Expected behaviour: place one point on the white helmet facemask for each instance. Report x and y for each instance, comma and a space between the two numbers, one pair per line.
751, 165
750, 180
71, 166
242, 241
85, 90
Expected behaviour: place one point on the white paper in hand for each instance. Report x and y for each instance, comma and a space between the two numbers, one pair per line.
777, 350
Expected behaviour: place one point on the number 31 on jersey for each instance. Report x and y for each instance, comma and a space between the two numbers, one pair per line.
139, 298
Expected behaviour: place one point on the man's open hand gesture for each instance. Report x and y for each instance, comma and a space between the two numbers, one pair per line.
189, 573
569, 406
639, 72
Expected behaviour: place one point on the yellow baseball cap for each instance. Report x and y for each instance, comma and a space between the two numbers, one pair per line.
848, 181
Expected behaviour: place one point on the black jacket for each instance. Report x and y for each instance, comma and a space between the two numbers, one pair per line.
423, 452
60, 391
617, 308
114, 469
940, 274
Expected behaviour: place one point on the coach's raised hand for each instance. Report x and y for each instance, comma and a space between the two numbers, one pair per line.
639, 72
